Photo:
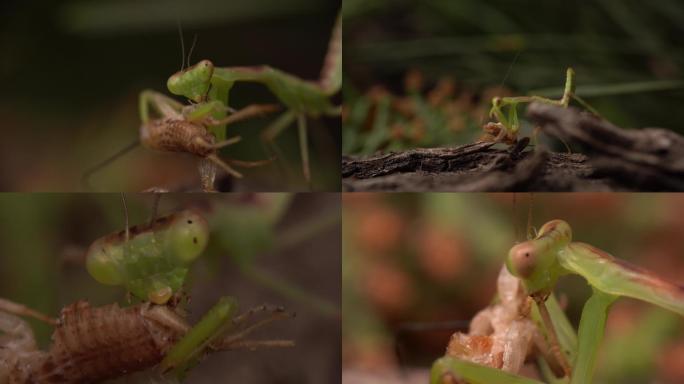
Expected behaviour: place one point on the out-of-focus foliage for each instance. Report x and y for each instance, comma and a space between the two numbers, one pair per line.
257, 253
71, 72
627, 56
413, 262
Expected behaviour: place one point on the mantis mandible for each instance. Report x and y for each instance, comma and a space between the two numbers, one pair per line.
203, 82
539, 263
91, 344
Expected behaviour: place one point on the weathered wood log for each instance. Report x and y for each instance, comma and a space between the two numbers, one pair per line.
613, 159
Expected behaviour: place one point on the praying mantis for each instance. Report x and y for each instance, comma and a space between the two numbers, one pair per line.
205, 83
92, 344
506, 127
539, 263
200, 127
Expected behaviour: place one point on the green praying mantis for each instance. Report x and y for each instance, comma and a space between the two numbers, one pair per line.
92, 344
200, 127
538, 264
507, 126
203, 83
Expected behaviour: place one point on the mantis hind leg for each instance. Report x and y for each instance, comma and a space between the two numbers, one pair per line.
269, 135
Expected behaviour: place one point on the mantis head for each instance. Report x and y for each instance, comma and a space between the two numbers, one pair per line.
153, 262
536, 261
193, 82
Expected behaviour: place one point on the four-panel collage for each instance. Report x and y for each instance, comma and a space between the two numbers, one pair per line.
342, 191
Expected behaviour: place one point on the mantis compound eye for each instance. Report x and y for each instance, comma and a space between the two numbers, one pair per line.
522, 260
188, 236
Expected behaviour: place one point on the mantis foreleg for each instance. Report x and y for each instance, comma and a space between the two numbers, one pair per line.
448, 370
591, 329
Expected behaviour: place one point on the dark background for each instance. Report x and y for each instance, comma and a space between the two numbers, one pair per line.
262, 248
475, 43
71, 72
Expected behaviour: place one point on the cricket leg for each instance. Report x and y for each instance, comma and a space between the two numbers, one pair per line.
227, 142
273, 314
22, 310
227, 168
553, 336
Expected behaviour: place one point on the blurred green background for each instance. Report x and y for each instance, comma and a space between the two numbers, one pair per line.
71, 72
422, 73
418, 267
277, 249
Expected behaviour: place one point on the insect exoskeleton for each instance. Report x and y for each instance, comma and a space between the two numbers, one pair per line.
150, 260
177, 135
94, 344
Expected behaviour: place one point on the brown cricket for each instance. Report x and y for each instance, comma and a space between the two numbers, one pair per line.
90, 344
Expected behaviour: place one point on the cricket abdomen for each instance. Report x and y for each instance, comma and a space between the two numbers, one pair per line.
175, 135
95, 344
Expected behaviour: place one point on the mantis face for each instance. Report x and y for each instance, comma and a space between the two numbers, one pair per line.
535, 262
153, 261
193, 82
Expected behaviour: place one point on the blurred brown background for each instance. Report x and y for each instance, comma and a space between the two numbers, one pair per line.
417, 267
278, 249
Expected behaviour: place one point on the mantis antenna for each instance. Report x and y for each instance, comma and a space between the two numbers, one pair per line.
192, 47
182, 41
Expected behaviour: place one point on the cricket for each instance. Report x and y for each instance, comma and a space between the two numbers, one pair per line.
501, 337
93, 344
